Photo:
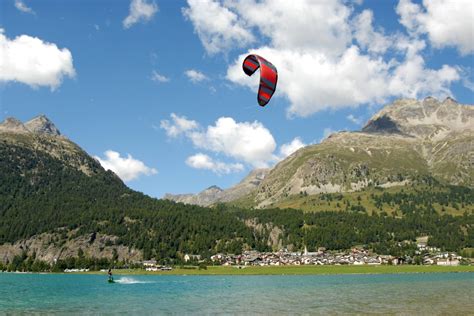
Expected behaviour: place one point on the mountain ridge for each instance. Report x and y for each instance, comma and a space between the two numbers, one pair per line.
404, 142
419, 139
38, 125
214, 194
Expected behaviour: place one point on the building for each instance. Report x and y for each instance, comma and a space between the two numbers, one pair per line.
188, 257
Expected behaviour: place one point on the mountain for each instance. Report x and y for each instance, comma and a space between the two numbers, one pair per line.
60, 209
56, 201
215, 194
206, 197
13, 125
41, 135
42, 125
406, 141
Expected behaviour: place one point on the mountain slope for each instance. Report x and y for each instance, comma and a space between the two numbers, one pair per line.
215, 194
57, 203
406, 142
54, 197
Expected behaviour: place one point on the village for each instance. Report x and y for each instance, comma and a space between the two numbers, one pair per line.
355, 256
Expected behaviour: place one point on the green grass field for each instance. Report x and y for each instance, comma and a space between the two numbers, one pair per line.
302, 270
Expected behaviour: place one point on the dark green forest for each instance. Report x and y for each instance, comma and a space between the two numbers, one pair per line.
39, 193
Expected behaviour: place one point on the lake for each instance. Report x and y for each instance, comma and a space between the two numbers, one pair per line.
422, 293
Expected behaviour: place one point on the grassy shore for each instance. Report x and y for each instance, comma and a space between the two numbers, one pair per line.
301, 270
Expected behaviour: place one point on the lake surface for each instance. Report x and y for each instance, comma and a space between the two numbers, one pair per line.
427, 293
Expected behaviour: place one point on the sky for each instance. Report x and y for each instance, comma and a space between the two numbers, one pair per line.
154, 89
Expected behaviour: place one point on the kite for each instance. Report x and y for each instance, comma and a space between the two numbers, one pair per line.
268, 76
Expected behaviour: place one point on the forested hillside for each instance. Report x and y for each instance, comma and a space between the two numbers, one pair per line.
57, 202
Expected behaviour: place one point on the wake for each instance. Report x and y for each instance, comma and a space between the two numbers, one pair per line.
126, 280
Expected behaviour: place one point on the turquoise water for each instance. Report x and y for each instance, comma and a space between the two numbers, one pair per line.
437, 293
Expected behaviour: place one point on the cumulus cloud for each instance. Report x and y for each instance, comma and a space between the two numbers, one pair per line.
195, 75
218, 28
352, 79
203, 161
179, 125
366, 36
291, 147
20, 5
412, 79
326, 57
34, 62
250, 142
127, 168
140, 11
446, 22
247, 143
304, 25
155, 76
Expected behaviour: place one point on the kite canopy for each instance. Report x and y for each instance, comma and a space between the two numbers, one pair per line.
268, 76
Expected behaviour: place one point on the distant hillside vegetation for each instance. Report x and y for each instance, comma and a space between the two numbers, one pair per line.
57, 203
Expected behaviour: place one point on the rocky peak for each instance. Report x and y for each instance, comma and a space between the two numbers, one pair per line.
422, 119
13, 125
212, 189
42, 125
214, 194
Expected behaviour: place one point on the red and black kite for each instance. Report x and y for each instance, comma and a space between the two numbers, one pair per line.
268, 76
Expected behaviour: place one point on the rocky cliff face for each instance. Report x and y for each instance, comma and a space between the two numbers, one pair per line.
406, 140
39, 125
427, 119
215, 194
42, 125
13, 125
50, 247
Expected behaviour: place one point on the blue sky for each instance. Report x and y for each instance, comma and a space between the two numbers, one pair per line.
158, 84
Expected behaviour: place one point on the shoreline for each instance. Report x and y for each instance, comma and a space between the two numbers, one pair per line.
284, 270
302, 270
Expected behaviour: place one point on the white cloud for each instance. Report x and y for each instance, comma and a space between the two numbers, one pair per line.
354, 119
313, 46
126, 168
32, 61
179, 125
140, 11
412, 79
249, 142
289, 148
446, 22
20, 5
203, 161
468, 84
195, 75
304, 25
408, 13
218, 28
367, 37
313, 81
155, 76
